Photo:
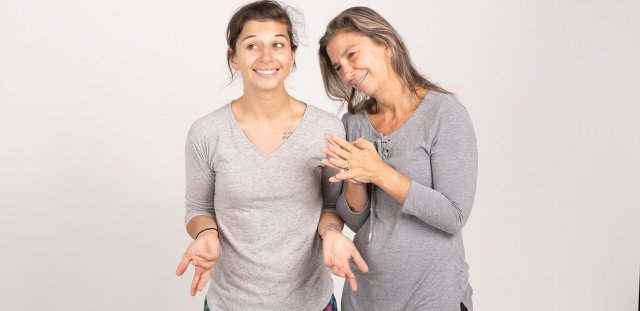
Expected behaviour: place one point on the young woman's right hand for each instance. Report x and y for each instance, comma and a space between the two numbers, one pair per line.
203, 254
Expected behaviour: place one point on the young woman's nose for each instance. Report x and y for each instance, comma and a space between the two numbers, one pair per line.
266, 54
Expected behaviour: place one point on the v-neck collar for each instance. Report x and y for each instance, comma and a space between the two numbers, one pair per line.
282, 145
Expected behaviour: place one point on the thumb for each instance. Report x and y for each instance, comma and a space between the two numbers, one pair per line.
183, 265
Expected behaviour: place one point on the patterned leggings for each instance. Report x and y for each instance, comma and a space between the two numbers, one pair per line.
332, 306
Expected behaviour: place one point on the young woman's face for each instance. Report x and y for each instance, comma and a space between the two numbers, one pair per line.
263, 55
361, 62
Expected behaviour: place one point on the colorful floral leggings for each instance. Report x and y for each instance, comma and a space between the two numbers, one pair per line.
332, 306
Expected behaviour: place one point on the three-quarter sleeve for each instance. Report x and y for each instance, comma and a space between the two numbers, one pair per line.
200, 177
454, 164
353, 220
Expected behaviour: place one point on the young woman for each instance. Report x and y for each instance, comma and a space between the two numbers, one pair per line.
257, 195
410, 165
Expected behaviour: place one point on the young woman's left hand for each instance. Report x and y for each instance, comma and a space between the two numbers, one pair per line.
337, 250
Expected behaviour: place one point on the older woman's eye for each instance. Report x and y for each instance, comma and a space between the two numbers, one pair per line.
351, 55
278, 45
252, 46
338, 68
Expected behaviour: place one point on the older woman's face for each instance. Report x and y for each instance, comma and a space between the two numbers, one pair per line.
361, 62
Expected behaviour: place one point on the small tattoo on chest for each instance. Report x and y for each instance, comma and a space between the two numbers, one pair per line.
286, 134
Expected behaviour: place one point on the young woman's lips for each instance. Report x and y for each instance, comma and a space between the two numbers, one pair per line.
266, 72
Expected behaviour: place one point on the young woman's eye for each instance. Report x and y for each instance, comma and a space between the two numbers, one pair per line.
351, 55
278, 45
252, 46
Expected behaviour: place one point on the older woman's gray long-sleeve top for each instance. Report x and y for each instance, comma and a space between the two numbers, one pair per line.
414, 250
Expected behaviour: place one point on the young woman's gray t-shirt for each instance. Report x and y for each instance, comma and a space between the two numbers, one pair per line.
267, 208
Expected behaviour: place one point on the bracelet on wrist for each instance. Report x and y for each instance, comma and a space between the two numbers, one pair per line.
205, 229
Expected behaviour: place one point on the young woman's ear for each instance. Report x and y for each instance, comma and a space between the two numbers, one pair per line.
293, 58
231, 58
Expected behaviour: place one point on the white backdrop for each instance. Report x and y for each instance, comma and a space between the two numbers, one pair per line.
96, 98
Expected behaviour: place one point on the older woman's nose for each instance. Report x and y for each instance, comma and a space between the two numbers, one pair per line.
347, 73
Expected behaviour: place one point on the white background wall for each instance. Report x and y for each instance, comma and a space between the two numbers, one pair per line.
96, 98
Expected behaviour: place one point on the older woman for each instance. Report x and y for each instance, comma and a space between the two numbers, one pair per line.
410, 166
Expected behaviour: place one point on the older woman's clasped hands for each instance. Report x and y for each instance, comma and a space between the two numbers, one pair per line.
358, 161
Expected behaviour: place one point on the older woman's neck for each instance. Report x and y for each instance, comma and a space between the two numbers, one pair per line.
398, 99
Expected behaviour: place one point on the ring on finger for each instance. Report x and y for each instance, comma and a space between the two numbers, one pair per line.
348, 167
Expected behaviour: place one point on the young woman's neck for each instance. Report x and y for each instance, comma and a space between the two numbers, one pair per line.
264, 105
